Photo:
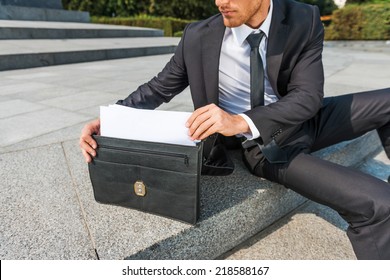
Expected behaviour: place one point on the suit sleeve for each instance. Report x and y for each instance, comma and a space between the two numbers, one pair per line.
304, 89
161, 89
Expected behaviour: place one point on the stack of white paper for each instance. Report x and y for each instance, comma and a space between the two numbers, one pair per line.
146, 125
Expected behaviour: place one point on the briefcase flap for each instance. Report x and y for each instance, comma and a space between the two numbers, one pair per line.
158, 178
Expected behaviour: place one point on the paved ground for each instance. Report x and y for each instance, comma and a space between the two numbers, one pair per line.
43, 110
38, 103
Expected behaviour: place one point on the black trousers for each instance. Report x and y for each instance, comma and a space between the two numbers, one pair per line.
362, 200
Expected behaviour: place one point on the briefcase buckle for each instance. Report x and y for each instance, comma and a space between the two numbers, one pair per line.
140, 188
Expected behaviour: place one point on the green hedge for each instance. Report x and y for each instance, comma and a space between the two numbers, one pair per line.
171, 26
360, 22
326, 6
108, 8
185, 9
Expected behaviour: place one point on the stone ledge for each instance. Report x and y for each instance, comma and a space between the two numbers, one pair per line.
367, 46
12, 33
42, 14
57, 193
49, 4
31, 60
233, 208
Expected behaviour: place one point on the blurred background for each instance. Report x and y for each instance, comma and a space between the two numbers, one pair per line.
343, 19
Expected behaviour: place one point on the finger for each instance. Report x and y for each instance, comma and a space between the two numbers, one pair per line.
197, 113
88, 149
198, 122
91, 128
87, 156
86, 146
211, 130
203, 129
90, 141
87, 142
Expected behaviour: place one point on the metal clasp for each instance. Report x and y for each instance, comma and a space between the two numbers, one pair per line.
140, 188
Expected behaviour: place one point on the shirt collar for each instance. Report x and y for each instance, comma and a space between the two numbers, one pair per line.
241, 32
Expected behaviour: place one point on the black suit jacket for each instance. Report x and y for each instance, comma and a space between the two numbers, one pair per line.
294, 65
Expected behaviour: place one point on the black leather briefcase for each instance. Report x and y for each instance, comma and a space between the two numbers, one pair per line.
157, 178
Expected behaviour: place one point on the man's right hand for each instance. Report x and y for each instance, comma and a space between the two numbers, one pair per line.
87, 143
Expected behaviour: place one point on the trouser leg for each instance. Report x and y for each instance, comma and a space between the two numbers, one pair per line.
349, 116
362, 200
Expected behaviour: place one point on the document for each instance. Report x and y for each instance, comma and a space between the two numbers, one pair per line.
146, 125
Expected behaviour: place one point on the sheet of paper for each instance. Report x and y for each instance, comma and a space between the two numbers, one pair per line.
146, 125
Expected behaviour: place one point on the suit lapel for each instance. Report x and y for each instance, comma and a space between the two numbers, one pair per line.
211, 50
277, 40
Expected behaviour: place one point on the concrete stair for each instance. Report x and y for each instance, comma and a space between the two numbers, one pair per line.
47, 4
27, 44
15, 29
40, 10
237, 207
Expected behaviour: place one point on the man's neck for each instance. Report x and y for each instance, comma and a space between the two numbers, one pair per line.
257, 20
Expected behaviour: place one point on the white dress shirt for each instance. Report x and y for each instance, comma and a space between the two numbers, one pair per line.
234, 71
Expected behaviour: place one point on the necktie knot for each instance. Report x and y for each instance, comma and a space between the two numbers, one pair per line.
254, 39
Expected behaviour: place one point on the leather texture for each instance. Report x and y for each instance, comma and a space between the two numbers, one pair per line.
170, 174
216, 161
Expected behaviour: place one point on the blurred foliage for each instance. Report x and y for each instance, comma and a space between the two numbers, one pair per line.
360, 22
185, 9
353, 22
110, 8
326, 6
171, 26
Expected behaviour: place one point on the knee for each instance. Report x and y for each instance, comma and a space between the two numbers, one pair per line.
374, 211
381, 211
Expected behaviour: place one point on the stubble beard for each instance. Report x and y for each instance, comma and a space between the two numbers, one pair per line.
241, 19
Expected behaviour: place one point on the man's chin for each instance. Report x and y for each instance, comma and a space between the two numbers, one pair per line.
231, 23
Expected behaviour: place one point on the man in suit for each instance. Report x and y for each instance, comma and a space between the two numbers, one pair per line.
292, 119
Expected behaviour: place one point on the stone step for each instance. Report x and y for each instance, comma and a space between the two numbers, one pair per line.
49, 4
312, 232
233, 209
16, 29
41, 14
236, 207
21, 54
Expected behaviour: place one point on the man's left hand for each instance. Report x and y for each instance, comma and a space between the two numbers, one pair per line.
211, 119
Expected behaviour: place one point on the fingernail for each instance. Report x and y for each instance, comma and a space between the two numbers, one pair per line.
187, 124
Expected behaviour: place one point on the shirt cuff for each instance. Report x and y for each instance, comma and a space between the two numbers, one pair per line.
255, 133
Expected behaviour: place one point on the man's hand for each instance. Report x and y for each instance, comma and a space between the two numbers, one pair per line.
87, 143
211, 119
